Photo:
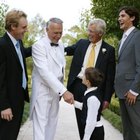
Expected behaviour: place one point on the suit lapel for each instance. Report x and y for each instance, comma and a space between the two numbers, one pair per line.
83, 50
124, 46
50, 51
54, 56
11, 48
100, 55
23, 57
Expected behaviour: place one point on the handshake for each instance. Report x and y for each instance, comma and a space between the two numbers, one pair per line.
68, 97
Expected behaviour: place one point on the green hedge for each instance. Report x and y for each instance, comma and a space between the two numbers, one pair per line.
114, 105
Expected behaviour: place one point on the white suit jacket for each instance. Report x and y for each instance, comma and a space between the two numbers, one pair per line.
48, 66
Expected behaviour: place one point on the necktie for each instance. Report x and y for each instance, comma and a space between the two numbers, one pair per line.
24, 81
54, 44
122, 41
91, 58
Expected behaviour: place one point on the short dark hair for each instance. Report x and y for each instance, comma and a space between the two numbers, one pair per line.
132, 12
95, 76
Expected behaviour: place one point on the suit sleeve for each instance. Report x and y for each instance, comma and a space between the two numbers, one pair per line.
135, 86
110, 75
28, 52
41, 64
4, 103
70, 50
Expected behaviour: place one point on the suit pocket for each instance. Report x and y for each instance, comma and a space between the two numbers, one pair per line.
129, 76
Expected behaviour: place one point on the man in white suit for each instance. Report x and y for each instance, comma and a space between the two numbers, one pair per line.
47, 78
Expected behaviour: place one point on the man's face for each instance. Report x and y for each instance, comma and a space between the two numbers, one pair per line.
55, 32
125, 21
18, 32
93, 34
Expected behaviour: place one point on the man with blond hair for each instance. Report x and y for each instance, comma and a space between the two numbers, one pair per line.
13, 74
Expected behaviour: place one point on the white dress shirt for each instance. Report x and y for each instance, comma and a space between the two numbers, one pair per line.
93, 106
97, 49
125, 35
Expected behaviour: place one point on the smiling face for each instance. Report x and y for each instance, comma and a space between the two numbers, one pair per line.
19, 31
55, 31
125, 21
93, 33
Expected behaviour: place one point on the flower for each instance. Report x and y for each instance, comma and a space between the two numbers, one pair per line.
103, 50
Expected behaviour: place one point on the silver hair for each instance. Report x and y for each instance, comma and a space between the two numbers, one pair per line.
100, 23
53, 20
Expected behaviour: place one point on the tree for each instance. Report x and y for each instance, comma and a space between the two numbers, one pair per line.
77, 32
3, 9
108, 10
35, 30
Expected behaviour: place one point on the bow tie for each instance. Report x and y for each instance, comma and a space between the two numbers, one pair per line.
54, 44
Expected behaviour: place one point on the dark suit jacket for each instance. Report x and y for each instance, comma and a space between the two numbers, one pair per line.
11, 91
105, 63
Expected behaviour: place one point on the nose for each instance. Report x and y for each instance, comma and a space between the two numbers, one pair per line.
119, 18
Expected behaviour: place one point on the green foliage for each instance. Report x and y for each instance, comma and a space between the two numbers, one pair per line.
67, 68
114, 105
35, 30
75, 33
108, 10
29, 63
3, 9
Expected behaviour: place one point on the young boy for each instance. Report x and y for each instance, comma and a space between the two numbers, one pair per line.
91, 106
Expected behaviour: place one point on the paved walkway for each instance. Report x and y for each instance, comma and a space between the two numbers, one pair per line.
67, 128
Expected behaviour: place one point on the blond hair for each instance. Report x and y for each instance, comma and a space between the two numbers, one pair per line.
13, 17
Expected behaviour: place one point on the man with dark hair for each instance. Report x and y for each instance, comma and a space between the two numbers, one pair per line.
127, 79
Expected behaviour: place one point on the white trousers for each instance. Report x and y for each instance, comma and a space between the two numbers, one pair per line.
45, 116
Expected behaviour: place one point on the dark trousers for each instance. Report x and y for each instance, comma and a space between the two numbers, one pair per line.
78, 91
98, 133
9, 129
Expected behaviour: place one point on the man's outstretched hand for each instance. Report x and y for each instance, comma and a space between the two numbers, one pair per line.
68, 97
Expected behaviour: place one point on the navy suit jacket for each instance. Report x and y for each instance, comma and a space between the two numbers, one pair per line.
105, 63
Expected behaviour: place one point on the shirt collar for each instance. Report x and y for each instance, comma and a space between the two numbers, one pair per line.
14, 41
90, 89
98, 43
129, 31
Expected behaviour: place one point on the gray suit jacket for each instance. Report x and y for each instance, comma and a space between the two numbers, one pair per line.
128, 68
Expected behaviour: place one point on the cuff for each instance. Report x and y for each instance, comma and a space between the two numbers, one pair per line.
62, 91
134, 93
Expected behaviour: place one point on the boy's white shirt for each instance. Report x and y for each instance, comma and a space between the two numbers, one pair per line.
93, 106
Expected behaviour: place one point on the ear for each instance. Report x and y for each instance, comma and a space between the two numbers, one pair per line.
13, 27
88, 82
132, 18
